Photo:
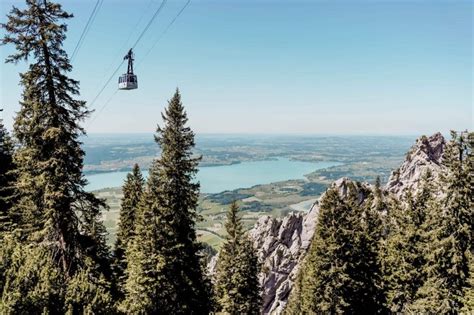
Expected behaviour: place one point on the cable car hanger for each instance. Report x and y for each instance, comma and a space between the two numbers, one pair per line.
128, 81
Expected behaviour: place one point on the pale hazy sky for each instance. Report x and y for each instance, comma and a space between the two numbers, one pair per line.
332, 67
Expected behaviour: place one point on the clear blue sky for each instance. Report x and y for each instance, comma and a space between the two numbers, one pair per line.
332, 67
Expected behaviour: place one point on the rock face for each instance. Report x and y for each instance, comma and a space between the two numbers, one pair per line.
279, 249
425, 154
282, 244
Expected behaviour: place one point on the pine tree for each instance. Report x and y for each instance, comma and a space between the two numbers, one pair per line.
468, 298
404, 251
164, 271
249, 286
341, 271
450, 241
378, 196
7, 179
237, 286
367, 262
325, 280
225, 288
7, 192
132, 192
145, 263
58, 219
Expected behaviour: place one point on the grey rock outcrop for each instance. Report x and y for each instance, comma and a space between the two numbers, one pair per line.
278, 241
282, 244
425, 154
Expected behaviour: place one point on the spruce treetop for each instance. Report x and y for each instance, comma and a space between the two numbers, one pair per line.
166, 260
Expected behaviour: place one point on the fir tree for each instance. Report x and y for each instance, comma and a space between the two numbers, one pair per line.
7, 195
451, 239
468, 298
7, 180
164, 268
404, 252
378, 196
59, 220
247, 279
325, 281
341, 273
237, 286
132, 192
367, 262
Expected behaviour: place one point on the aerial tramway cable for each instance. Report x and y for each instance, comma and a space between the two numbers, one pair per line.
102, 108
106, 83
158, 10
164, 32
129, 36
150, 22
147, 53
86, 29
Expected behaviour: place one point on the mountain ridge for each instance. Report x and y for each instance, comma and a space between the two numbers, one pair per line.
282, 243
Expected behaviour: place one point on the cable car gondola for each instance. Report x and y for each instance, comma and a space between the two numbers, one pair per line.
128, 81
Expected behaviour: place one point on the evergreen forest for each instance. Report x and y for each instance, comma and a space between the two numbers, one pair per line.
373, 252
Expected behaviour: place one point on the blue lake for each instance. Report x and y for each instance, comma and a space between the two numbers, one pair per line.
215, 179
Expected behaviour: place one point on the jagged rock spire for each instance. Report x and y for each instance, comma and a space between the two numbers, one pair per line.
425, 154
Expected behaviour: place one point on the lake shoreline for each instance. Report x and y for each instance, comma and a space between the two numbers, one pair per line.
216, 179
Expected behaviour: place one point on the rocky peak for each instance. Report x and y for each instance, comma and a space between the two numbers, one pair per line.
282, 244
278, 241
425, 154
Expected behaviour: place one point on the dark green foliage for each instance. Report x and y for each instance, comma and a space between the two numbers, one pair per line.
145, 268
225, 287
237, 287
450, 242
7, 180
57, 219
423, 242
33, 283
164, 269
248, 286
132, 193
468, 299
404, 249
341, 272
88, 285
368, 266
323, 276
208, 252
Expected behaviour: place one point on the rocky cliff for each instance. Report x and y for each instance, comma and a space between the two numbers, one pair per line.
283, 242
425, 154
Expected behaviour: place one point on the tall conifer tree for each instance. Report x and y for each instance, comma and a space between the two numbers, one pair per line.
237, 286
451, 239
404, 253
7, 179
60, 222
468, 300
341, 273
367, 267
132, 193
164, 272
